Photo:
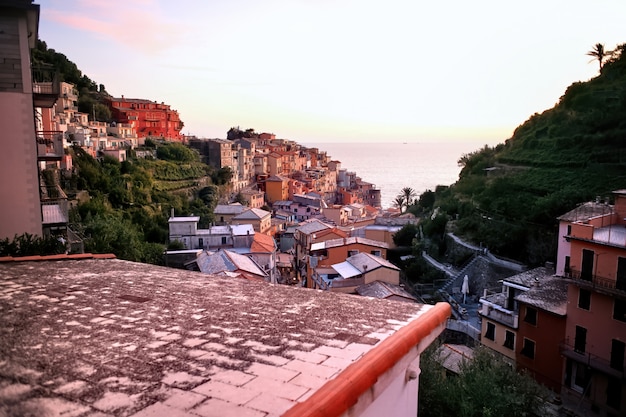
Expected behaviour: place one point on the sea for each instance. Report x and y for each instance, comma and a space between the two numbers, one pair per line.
393, 166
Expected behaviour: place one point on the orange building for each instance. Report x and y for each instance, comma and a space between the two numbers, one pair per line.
333, 251
149, 118
595, 333
276, 188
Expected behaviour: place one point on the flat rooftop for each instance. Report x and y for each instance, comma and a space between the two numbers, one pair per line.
102, 338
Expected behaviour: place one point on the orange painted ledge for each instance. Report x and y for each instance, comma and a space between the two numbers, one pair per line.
340, 393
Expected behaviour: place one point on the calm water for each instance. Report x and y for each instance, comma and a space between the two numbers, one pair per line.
393, 166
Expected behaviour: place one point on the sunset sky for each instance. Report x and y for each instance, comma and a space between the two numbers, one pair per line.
343, 70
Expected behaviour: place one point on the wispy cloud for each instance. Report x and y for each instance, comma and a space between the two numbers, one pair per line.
140, 25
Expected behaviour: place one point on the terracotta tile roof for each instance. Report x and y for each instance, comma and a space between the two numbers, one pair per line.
117, 338
263, 243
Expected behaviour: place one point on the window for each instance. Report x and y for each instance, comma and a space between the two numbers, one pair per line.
509, 340
528, 349
201, 242
531, 316
376, 253
586, 272
352, 252
584, 299
617, 354
567, 268
580, 340
223, 240
619, 310
620, 283
491, 331
614, 393
581, 377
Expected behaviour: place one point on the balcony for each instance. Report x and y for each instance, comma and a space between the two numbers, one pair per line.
49, 145
45, 86
595, 362
55, 212
599, 284
508, 318
493, 308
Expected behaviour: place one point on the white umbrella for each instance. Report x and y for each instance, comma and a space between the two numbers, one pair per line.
465, 287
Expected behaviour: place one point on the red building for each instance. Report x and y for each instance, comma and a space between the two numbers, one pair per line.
149, 118
542, 321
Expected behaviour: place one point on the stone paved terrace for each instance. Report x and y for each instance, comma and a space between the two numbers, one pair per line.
102, 338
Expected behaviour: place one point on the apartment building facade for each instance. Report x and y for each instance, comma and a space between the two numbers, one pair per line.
595, 334
149, 118
22, 89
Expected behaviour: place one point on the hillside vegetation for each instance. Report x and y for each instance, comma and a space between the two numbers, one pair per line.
508, 197
123, 207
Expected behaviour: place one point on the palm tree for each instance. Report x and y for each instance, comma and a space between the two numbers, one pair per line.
409, 194
399, 202
599, 53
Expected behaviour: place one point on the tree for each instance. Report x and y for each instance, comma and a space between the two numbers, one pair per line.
222, 176
239, 198
399, 202
598, 53
409, 194
427, 200
485, 386
405, 236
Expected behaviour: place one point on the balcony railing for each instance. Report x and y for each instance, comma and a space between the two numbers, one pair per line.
46, 87
596, 282
49, 145
593, 361
510, 319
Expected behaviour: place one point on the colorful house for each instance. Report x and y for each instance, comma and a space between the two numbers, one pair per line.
149, 118
276, 188
595, 335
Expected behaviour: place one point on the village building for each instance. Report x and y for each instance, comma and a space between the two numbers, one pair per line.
149, 118
260, 220
224, 213
276, 189
228, 263
594, 263
357, 270
254, 198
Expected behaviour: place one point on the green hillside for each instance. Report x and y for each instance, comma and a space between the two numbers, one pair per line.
508, 197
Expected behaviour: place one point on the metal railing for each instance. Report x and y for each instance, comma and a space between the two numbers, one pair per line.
591, 360
49, 144
597, 282
511, 320
45, 80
